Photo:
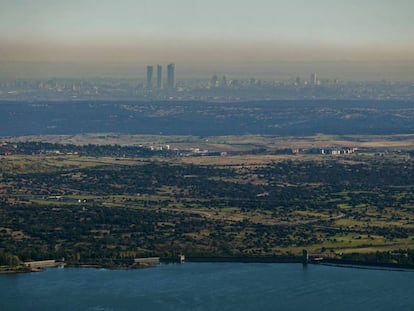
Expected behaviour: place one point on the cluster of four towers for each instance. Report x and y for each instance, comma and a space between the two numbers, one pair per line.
170, 76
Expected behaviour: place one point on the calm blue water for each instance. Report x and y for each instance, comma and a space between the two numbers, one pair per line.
210, 286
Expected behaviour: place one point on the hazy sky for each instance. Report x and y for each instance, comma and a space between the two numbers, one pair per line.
208, 32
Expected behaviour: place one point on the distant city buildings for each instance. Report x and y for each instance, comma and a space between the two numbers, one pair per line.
171, 76
150, 70
313, 79
159, 76
160, 84
214, 82
324, 151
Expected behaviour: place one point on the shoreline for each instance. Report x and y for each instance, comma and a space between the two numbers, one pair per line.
265, 260
366, 265
326, 262
292, 259
17, 271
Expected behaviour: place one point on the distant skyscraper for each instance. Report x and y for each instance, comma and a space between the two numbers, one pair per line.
214, 82
171, 76
313, 79
159, 76
150, 70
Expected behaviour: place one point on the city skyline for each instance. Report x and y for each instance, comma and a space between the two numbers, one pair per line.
160, 81
368, 40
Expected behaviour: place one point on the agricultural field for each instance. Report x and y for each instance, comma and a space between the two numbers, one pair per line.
238, 143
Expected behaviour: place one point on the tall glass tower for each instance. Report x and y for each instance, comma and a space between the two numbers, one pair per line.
159, 76
171, 76
150, 70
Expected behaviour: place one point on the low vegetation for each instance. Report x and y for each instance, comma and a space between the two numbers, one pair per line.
96, 206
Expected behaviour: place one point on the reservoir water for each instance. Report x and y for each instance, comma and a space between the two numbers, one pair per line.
210, 286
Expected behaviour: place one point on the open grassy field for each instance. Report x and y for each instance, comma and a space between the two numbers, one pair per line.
233, 143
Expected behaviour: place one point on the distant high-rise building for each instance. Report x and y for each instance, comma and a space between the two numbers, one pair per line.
224, 82
214, 82
159, 76
150, 70
313, 79
171, 76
